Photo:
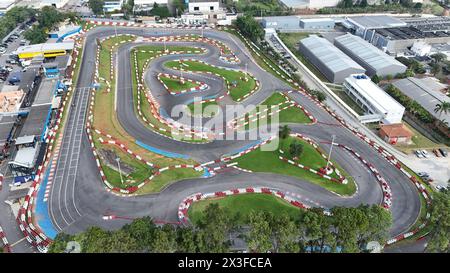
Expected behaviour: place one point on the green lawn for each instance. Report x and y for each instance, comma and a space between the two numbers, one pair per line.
212, 106
419, 142
268, 162
141, 170
290, 115
237, 92
175, 85
240, 206
142, 57
166, 178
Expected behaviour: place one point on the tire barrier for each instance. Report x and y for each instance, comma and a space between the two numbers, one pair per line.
6, 245
1, 181
187, 202
200, 85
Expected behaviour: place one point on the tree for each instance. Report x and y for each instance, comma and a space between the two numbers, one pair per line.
315, 230
96, 6
295, 149
440, 222
164, 240
161, 11
36, 35
443, 107
438, 57
363, 3
284, 234
186, 240
259, 237
250, 27
284, 132
49, 16
179, 6
376, 79
213, 229
142, 230
435, 68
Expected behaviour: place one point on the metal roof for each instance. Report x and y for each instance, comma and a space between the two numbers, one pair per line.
376, 21
423, 92
35, 122
45, 92
45, 47
367, 52
328, 54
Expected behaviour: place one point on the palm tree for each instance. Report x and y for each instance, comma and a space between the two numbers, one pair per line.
284, 131
443, 107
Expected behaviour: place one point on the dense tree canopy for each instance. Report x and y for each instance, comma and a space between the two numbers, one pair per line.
347, 230
440, 223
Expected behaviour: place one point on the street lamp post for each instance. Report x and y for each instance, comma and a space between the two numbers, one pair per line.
331, 149
120, 171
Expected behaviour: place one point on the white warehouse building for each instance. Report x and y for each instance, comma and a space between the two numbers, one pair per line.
373, 99
375, 61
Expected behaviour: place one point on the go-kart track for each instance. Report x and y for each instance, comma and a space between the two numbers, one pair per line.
78, 198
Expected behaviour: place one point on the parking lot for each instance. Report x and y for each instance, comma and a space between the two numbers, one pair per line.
10, 44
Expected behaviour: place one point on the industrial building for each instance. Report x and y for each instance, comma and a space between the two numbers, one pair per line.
328, 59
373, 100
281, 23
317, 24
396, 36
375, 61
364, 26
46, 50
427, 92
310, 4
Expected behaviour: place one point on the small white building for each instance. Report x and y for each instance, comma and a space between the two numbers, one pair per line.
112, 5
373, 99
204, 6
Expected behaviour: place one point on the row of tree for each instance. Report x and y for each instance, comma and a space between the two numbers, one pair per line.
13, 18
348, 230
411, 105
48, 18
362, 6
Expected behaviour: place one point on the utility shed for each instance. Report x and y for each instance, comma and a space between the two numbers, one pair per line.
375, 61
328, 59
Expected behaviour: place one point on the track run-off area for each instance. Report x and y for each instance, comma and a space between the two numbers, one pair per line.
118, 115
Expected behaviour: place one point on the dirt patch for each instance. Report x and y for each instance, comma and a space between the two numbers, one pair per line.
109, 158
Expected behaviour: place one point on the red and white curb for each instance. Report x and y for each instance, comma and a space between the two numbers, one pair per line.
228, 84
6, 245
199, 85
187, 202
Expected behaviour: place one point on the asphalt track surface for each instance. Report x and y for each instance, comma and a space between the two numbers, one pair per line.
83, 201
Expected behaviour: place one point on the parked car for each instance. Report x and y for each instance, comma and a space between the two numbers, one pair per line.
443, 152
423, 174
418, 154
436, 153
2, 50
425, 153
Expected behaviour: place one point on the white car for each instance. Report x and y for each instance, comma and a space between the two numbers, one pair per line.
425, 153
418, 154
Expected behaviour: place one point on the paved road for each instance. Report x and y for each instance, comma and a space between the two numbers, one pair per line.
88, 195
